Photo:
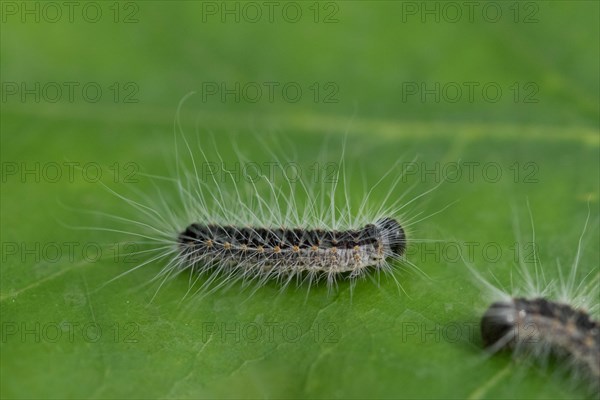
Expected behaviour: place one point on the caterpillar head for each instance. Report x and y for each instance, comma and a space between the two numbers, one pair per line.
497, 323
394, 233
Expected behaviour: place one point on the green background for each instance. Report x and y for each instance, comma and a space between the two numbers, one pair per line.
424, 343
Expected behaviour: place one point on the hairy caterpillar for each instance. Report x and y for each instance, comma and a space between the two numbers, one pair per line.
221, 228
521, 323
280, 250
543, 318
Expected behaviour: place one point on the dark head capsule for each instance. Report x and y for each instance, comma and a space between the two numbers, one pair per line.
496, 323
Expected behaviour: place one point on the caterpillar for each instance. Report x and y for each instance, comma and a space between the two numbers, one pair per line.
279, 250
541, 318
222, 228
522, 324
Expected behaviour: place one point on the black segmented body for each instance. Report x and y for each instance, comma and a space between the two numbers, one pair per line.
543, 322
304, 249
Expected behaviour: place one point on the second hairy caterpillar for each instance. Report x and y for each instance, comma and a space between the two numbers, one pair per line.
544, 326
542, 318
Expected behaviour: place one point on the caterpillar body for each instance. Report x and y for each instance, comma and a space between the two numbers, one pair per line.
543, 318
522, 323
281, 251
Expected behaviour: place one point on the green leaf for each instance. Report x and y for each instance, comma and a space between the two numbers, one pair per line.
68, 333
